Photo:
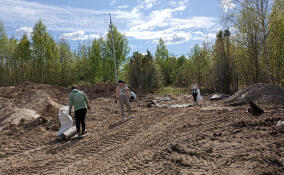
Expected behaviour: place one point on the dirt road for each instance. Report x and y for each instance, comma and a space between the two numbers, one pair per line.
156, 141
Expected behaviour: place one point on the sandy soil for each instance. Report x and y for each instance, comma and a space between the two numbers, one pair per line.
206, 139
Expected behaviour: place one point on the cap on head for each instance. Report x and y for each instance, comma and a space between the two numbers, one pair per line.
121, 81
74, 86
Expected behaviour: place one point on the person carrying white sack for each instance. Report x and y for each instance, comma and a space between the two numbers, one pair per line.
79, 100
195, 92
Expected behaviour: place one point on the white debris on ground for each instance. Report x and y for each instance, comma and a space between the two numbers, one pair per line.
280, 123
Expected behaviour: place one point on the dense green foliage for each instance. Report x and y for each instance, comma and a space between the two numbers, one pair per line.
253, 52
42, 60
142, 73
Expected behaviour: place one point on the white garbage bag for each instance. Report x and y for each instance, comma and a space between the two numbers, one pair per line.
165, 99
199, 97
132, 96
65, 119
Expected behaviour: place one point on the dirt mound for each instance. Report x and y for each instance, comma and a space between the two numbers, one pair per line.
99, 90
30, 100
12, 115
259, 93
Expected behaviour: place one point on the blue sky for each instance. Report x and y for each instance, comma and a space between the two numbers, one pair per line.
181, 23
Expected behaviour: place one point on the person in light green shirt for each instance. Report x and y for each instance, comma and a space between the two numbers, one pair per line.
79, 100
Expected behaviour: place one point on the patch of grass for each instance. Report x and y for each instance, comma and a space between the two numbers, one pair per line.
171, 90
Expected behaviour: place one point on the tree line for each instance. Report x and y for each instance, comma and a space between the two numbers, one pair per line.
42, 60
251, 51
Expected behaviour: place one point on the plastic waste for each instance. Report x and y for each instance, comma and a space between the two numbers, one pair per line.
165, 99
219, 97
65, 119
280, 123
199, 97
133, 96
215, 97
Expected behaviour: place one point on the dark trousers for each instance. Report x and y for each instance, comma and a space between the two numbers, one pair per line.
194, 94
80, 116
194, 97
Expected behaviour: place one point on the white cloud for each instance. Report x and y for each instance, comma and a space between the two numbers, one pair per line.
227, 5
198, 33
78, 35
169, 37
131, 16
148, 20
18, 13
177, 38
209, 37
172, 30
123, 6
163, 23
146, 4
112, 2
149, 3
20, 32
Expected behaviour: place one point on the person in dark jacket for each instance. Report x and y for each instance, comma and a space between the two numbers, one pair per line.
79, 100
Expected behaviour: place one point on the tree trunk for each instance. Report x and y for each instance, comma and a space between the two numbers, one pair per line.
264, 41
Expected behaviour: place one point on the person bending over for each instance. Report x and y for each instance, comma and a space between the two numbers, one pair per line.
79, 100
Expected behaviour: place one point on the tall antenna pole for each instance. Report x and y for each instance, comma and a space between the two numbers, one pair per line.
113, 48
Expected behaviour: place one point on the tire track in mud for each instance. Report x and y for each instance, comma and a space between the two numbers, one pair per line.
106, 146
21, 148
41, 151
110, 143
135, 161
107, 143
99, 147
156, 141
188, 160
203, 162
20, 151
193, 159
